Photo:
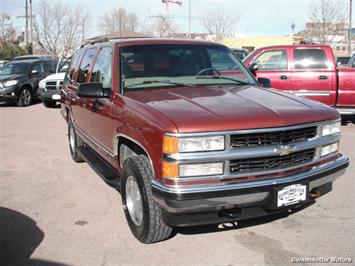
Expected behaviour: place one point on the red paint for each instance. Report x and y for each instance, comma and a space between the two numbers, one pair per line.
146, 115
340, 83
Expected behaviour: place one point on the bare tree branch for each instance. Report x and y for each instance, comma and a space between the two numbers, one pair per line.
161, 27
328, 21
119, 20
220, 24
59, 28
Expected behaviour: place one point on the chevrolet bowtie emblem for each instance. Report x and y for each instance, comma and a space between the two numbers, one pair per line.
284, 150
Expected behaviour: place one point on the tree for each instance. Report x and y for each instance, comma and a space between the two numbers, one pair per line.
328, 22
7, 31
9, 42
60, 29
220, 24
160, 27
118, 20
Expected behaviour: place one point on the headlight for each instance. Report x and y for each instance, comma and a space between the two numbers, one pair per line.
10, 83
42, 84
193, 144
329, 149
330, 129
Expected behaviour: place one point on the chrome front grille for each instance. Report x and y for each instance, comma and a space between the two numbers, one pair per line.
54, 85
274, 138
272, 162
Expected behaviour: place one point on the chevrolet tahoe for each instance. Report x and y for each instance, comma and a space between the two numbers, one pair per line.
189, 137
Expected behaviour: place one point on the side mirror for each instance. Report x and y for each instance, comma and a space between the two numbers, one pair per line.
253, 67
265, 82
93, 89
34, 72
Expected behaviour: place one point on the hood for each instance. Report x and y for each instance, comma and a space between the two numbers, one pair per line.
219, 108
11, 77
56, 76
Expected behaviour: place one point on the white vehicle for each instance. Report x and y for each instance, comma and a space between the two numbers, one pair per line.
49, 88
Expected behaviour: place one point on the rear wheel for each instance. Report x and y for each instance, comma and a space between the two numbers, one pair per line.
73, 139
143, 215
25, 98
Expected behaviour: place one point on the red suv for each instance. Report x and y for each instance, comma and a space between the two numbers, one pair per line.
189, 137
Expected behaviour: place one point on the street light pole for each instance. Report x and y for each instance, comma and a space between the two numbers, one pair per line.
350, 26
189, 19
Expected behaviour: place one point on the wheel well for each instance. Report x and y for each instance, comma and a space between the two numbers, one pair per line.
128, 148
26, 86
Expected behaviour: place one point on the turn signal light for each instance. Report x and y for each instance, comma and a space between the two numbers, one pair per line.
170, 145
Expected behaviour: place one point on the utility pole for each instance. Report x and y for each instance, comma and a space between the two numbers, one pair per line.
26, 28
189, 19
350, 26
83, 31
31, 26
26, 23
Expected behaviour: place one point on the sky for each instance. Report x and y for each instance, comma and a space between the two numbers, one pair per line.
256, 17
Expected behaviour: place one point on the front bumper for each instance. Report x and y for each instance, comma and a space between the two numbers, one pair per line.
47, 94
8, 93
239, 201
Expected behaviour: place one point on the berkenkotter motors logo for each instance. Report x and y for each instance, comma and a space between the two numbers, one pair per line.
345, 260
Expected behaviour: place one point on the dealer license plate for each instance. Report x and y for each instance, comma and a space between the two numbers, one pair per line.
291, 195
55, 97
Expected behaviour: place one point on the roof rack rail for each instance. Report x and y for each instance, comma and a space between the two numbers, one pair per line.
106, 39
98, 40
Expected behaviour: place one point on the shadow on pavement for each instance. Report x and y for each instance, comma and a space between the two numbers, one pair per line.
346, 119
19, 237
213, 228
13, 104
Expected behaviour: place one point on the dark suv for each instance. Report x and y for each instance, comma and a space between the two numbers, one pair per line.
19, 79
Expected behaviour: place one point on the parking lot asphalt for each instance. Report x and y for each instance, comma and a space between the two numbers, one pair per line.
57, 212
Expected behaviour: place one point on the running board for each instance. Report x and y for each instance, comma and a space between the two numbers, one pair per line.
100, 166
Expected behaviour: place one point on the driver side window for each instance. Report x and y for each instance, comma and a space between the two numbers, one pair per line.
272, 60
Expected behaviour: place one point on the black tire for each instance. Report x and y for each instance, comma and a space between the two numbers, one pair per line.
49, 103
152, 227
25, 97
73, 144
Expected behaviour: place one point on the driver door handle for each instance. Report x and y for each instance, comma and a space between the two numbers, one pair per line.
284, 77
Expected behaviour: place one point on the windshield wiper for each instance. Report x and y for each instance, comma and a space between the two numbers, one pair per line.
158, 81
225, 78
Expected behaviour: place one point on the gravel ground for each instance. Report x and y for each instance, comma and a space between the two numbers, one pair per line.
56, 212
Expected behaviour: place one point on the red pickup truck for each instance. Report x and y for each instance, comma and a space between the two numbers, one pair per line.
189, 137
306, 70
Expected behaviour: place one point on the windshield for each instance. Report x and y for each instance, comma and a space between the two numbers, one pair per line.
181, 65
62, 66
15, 68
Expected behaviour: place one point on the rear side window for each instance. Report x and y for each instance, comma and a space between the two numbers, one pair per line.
37, 67
310, 59
102, 71
48, 67
272, 60
85, 65
74, 64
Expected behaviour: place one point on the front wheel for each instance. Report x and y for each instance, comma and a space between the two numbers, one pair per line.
143, 215
25, 98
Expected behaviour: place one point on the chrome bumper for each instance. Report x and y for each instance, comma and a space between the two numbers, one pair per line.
199, 198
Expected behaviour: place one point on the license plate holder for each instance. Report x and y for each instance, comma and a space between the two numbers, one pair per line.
290, 195
56, 97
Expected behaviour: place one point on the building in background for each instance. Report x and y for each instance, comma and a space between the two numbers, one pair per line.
334, 34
